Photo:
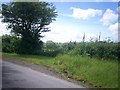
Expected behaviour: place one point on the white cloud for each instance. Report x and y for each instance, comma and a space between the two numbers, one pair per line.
79, 13
3, 29
115, 0
109, 17
118, 11
59, 33
66, 37
99, 0
114, 28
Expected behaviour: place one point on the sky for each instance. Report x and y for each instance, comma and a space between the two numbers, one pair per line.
76, 19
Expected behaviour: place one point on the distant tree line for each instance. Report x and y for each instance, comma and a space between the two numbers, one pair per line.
102, 50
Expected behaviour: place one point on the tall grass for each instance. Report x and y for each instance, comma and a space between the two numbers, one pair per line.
91, 71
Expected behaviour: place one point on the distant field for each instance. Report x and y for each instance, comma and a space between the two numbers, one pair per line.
92, 72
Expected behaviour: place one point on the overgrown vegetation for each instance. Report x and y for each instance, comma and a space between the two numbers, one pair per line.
91, 71
100, 50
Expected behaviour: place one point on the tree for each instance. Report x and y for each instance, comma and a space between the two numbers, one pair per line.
50, 45
28, 20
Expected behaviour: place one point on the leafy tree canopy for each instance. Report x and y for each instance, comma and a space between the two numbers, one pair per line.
28, 20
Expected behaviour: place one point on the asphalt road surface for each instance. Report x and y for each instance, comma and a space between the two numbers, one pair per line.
16, 76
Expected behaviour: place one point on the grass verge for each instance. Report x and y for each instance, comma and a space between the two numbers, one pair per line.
93, 72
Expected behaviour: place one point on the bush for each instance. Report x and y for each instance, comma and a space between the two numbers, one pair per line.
102, 50
10, 43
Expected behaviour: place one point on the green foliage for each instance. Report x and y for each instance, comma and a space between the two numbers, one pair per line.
101, 50
10, 43
50, 45
28, 20
90, 49
51, 49
107, 50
